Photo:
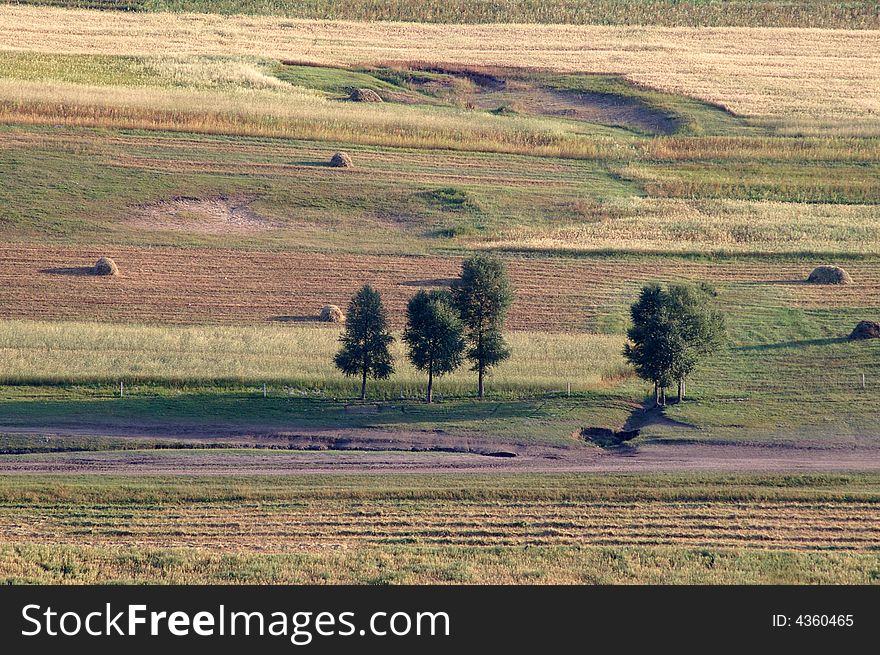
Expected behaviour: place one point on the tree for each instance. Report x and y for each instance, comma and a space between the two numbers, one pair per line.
671, 332
366, 339
433, 335
482, 294
698, 326
648, 349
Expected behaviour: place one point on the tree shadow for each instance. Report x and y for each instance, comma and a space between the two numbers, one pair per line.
233, 412
792, 344
68, 270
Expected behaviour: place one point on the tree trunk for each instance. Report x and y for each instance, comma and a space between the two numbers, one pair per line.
663, 396
656, 394
430, 383
364, 386
480, 382
680, 391
683, 392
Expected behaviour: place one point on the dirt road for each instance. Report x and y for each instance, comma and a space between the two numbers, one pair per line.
376, 451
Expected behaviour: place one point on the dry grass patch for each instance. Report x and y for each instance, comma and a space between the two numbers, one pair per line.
290, 354
704, 225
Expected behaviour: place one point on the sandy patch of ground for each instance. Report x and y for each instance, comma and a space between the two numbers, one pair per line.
219, 215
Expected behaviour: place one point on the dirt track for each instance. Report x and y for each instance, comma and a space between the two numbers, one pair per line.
349, 452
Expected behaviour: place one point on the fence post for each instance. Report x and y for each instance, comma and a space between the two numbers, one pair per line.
264, 389
121, 389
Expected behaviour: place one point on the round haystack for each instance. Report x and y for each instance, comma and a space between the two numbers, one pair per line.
829, 275
332, 314
105, 266
866, 330
364, 95
341, 160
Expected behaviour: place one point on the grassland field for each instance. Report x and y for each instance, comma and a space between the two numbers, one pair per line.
595, 146
398, 529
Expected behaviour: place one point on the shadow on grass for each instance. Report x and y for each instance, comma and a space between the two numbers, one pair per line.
792, 344
203, 413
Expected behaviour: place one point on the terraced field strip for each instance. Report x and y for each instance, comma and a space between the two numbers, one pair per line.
793, 73
177, 285
278, 526
286, 158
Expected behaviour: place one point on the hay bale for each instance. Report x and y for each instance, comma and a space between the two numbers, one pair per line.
364, 95
332, 314
341, 160
829, 275
866, 330
105, 266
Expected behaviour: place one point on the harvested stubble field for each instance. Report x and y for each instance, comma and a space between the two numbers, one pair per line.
418, 529
804, 76
231, 286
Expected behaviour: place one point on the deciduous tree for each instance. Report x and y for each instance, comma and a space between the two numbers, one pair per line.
672, 331
433, 335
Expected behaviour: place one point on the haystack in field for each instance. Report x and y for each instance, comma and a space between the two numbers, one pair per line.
866, 330
364, 95
105, 266
341, 160
332, 314
829, 275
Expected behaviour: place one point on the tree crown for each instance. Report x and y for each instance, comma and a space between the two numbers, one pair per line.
433, 333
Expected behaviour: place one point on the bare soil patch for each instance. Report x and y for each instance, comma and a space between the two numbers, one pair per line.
507, 90
599, 108
354, 451
219, 215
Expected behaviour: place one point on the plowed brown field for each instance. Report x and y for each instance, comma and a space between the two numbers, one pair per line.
230, 286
